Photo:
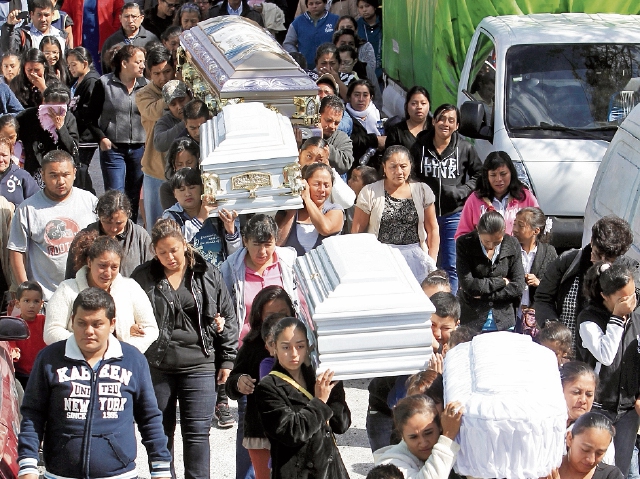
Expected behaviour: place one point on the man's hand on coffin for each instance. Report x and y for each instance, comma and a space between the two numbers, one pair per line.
229, 220
625, 306
223, 374
554, 474
136, 330
219, 320
450, 419
324, 385
436, 363
246, 384
105, 144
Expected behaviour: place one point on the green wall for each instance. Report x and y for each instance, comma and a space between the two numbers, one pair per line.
425, 41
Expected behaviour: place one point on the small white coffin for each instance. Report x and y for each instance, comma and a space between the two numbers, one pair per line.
515, 414
249, 160
367, 315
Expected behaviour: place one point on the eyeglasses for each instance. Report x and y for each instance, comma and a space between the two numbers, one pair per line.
131, 17
172, 5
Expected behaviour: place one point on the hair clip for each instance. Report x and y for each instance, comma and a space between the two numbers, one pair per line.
437, 276
604, 267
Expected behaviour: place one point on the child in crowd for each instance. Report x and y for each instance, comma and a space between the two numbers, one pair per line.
460, 335
29, 296
557, 337
9, 128
16, 185
385, 471
443, 322
360, 177
301, 425
436, 281
532, 232
445, 319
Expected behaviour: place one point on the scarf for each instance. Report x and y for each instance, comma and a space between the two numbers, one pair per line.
46, 122
368, 118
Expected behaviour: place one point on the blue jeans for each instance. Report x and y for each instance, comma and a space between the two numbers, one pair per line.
626, 424
122, 171
244, 468
196, 393
447, 254
634, 470
379, 427
152, 207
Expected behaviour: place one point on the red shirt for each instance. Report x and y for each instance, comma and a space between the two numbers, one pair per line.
29, 348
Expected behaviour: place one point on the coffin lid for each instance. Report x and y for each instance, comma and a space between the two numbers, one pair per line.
246, 132
239, 58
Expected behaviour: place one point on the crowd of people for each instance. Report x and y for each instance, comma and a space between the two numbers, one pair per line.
143, 306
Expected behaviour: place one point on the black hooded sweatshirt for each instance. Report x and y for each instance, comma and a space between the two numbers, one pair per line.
452, 175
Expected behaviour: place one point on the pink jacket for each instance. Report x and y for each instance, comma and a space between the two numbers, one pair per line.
475, 207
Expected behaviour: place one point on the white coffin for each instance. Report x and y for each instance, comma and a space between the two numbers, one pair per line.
367, 315
249, 160
515, 414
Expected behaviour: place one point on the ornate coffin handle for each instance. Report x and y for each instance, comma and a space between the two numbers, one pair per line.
293, 178
251, 181
211, 183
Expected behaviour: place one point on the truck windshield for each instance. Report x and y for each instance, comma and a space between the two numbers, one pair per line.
570, 91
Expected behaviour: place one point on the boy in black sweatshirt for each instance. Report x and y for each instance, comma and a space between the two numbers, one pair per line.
83, 397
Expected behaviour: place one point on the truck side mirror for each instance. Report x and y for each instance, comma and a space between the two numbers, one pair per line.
475, 121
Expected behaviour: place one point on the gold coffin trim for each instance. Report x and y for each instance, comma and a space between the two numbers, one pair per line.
252, 180
293, 178
211, 183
